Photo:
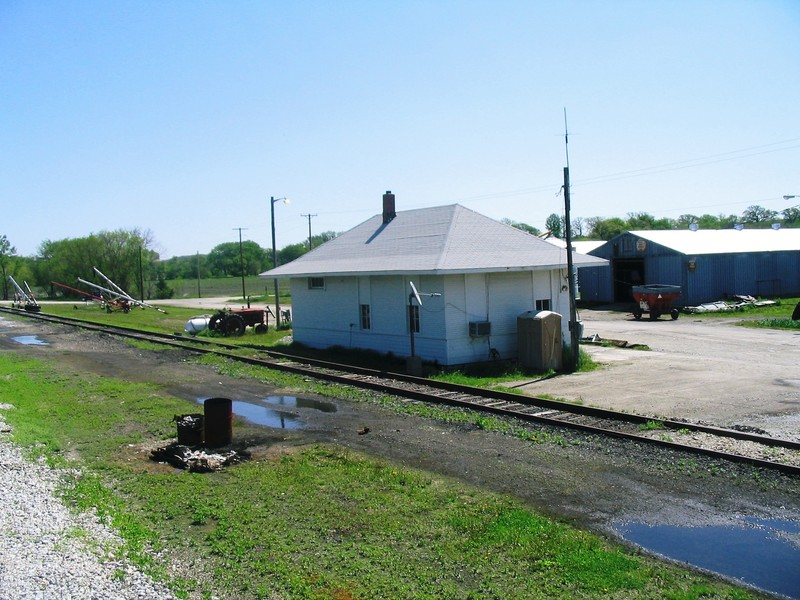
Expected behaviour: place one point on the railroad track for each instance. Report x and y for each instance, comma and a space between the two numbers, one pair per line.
715, 442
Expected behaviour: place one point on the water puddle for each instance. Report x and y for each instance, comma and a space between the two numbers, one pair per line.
262, 413
29, 340
294, 402
761, 553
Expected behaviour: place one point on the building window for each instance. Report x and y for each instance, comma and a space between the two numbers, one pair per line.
543, 304
366, 322
413, 318
316, 283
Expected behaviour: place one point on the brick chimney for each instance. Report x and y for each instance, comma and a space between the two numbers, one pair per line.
388, 207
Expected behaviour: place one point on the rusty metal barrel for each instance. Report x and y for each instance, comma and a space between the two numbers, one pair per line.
218, 422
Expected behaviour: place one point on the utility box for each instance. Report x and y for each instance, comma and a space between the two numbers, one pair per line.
539, 343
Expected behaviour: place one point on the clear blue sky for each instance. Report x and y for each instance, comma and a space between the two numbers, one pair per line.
184, 117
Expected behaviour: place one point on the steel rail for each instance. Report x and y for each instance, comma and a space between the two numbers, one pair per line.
469, 397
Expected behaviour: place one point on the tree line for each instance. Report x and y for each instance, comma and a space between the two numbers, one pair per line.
229, 259
600, 228
128, 259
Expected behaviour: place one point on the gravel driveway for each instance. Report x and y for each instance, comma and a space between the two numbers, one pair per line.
710, 370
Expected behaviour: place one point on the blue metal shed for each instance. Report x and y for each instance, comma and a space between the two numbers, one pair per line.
709, 265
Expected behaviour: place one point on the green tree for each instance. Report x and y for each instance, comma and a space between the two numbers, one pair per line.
521, 226
555, 225
288, 253
605, 229
321, 238
707, 221
185, 267
758, 214
122, 256
224, 260
579, 226
645, 221
7, 254
791, 215
162, 291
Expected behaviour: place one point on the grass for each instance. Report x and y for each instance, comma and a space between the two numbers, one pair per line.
491, 377
147, 319
495, 375
315, 522
258, 289
651, 426
776, 323
777, 316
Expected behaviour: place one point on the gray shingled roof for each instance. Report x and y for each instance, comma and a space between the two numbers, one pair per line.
441, 240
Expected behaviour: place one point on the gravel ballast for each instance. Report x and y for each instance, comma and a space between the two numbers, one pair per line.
51, 552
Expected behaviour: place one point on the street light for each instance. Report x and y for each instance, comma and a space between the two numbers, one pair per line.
790, 196
272, 202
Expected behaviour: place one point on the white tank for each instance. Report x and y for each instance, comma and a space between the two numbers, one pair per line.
197, 324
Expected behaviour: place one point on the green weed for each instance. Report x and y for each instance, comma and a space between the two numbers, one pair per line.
774, 323
651, 425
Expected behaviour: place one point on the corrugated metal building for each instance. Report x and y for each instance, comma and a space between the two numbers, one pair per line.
709, 265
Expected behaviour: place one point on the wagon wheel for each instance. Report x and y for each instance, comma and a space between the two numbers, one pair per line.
234, 325
674, 314
260, 328
637, 313
214, 322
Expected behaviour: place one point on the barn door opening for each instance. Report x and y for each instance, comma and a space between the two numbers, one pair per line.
627, 273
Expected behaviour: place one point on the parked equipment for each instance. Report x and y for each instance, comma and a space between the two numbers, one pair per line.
24, 296
114, 297
655, 299
234, 322
93, 297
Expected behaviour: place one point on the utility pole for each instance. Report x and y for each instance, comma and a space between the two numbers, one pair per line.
141, 275
241, 261
198, 273
573, 313
309, 229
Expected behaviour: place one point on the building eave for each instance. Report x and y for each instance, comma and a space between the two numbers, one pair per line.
426, 272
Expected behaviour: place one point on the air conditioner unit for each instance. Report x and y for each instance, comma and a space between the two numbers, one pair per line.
479, 328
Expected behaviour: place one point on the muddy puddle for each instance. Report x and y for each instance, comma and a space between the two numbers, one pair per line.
295, 402
276, 411
761, 553
29, 340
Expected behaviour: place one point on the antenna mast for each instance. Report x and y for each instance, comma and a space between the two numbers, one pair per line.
573, 318
566, 136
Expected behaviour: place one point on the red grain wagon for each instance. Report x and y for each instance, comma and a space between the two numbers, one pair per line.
655, 299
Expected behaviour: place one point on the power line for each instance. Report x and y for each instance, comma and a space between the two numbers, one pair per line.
672, 166
693, 162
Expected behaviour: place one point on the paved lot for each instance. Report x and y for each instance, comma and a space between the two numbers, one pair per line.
700, 369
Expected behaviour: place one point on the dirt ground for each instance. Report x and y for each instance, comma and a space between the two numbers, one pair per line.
699, 369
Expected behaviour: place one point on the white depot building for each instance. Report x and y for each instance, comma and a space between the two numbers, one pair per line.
474, 276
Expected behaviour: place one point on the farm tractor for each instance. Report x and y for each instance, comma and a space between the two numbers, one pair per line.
234, 322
